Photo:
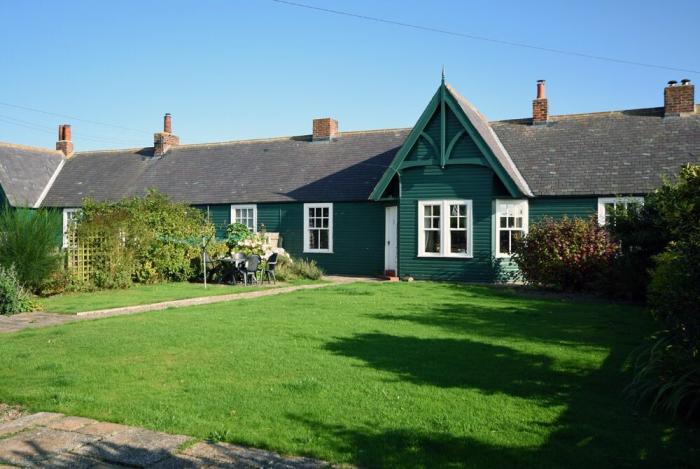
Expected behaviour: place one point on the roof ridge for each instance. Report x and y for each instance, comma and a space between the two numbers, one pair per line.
586, 114
28, 147
301, 138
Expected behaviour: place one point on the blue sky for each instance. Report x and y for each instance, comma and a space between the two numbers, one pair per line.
235, 69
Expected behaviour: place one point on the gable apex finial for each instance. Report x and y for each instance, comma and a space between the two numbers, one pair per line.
443, 75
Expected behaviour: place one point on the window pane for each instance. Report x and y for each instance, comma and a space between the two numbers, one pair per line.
458, 242
514, 237
323, 239
519, 222
504, 242
504, 222
313, 239
432, 241
511, 222
454, 222
325, 212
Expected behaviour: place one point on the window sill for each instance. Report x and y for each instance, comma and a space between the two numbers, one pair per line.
315, 251
445, 256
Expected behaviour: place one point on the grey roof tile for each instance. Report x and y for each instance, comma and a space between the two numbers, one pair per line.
275, 170
25, 172
605, 153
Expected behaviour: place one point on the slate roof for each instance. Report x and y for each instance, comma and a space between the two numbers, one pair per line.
274, 170
25, 172
607, 153
603, 153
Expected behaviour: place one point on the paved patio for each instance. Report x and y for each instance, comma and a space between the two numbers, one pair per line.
21, 321
53, 440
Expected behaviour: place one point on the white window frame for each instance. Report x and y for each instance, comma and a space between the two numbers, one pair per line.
329, 206
498, 210
66, 219
445, 239
603, 201
245, 207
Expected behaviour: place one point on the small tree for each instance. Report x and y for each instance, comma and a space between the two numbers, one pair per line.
566, 254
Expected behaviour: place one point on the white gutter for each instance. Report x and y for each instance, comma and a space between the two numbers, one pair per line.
49, 184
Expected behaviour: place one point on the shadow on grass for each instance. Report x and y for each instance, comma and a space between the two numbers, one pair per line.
447, 362
598, 427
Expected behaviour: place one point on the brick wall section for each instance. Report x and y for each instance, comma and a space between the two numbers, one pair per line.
679, 99
540, 110
65, 146
325, 128
163, 141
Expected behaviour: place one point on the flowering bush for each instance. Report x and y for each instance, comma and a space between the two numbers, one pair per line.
257, 243
568, 254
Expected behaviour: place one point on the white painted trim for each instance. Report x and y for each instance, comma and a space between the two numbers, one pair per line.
246, 206
445, 229
42, 196
497, 225
615, 200
66, 211
330, 228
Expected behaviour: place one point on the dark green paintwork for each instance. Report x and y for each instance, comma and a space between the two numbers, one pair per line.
582, 207
436, 139
358, 233
474, 183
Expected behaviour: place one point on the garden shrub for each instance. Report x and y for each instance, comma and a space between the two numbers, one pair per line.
29, 243
13, 297
236, 232
566, 254
289, 269
144, 239
667, 368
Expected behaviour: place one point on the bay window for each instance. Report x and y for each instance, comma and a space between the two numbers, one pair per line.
318, 228
511, 225
445, 228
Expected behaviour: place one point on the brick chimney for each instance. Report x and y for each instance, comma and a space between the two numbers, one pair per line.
679, 99
540, 108
325, 129
64, 143
165, 140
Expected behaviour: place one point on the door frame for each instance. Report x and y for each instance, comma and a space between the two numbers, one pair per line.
391, 239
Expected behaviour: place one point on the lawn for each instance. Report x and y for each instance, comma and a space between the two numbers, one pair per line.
140, 294
375, 374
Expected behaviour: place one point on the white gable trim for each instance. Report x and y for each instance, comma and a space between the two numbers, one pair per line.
42, 196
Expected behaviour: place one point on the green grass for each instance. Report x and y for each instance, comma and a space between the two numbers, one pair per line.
393, 375
140, 294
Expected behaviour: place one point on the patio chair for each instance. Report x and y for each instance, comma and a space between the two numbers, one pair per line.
269, 270
237, 261
250, 269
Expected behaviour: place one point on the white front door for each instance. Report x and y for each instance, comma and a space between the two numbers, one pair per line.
390, 244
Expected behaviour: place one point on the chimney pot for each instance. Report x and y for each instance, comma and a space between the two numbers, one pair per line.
540, 105
540, 89
65, 143
679, 100
168, 123
324, 129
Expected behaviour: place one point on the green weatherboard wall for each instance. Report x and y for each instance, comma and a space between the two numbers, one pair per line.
475, 183
358, 233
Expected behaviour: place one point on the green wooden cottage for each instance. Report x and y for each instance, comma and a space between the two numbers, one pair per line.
443, 200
